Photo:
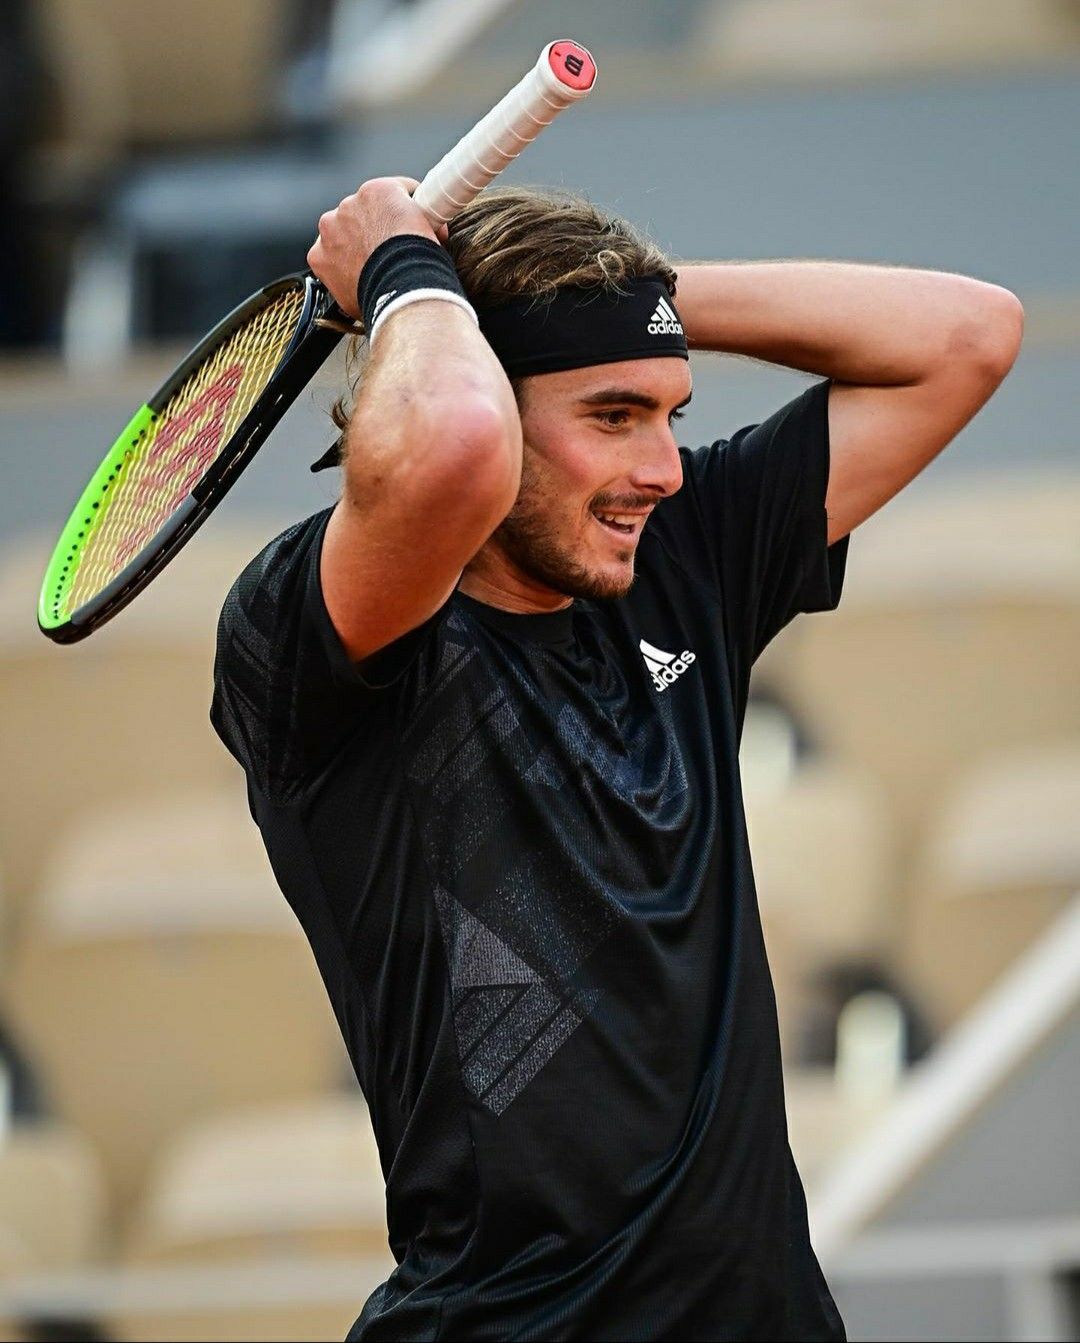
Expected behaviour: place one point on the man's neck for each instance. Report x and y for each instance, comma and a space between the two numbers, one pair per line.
502, 587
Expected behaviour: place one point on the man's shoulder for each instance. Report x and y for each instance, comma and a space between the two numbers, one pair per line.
271, 576
289, 546
272, 704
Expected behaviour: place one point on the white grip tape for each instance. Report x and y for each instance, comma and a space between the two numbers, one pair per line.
496, 140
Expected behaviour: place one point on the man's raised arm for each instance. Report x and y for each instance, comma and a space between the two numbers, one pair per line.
913, 354
433, 448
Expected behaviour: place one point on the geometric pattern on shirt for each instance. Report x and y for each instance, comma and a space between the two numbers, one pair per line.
509, 1022
517, 938
636, 767
450, 748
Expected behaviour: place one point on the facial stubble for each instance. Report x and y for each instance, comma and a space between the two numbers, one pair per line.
529, 538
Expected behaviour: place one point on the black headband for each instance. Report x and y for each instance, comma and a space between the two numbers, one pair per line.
579, 327
575, 329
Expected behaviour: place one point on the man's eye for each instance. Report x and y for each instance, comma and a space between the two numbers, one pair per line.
676, 415
614, 419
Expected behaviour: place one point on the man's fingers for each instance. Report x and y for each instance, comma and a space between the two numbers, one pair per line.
407, 184
442, 231
350, 232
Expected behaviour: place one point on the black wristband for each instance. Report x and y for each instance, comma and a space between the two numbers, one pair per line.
404, 262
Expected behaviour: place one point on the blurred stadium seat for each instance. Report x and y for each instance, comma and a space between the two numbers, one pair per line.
220, 87
823, 1123
15, 1260
52, 1198
1000, 863
264, 1190
822, 859
800, 38
112, 718
208, 126
958, 635
822, 856
303, 1178
280, 1300
117, 101
162, 978
771, 746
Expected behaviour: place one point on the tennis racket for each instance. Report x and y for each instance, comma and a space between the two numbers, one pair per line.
182, 451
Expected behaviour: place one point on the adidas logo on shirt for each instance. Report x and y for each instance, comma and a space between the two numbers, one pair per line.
665, 667
665, 321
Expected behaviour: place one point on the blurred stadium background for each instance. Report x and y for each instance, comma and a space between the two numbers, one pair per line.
182, 1152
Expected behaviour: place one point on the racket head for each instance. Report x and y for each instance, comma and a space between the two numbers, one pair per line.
181, 451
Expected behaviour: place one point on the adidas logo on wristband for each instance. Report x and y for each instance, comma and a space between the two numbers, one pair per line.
383, 298
664, 321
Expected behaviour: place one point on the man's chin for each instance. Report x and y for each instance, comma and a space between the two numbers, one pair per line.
591, 584
564, 571
600, 584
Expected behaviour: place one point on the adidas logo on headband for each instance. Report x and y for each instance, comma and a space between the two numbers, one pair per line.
664, 321
579, 327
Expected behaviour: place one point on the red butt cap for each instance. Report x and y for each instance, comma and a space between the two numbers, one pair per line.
572, 65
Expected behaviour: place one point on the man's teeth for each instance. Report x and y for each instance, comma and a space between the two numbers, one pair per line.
619, 519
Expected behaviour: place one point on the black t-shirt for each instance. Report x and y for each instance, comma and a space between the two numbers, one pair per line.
518, 848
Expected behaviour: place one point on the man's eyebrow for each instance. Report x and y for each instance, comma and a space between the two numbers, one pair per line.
626, 396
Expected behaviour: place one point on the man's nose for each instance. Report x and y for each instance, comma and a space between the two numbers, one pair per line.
659, 469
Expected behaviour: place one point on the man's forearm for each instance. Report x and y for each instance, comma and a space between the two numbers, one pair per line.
873, 325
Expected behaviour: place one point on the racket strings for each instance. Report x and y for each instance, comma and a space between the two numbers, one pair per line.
173, 452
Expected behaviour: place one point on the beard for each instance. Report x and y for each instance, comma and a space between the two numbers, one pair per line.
528, 537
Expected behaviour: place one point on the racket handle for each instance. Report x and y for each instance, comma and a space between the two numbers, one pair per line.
564, 74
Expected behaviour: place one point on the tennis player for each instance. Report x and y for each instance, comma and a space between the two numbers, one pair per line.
489, 707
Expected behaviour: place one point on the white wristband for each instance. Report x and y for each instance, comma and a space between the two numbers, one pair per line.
416, 296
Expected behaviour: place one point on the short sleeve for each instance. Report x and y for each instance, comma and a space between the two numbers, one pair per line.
287, 696
761, 498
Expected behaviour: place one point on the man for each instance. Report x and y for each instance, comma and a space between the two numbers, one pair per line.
489, 706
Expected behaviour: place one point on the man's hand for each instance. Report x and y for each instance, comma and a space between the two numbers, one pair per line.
382, 208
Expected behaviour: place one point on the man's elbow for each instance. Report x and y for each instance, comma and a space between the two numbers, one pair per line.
992, 332
479, 446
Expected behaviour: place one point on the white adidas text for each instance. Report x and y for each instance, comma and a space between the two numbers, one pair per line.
665, 668
665, 320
